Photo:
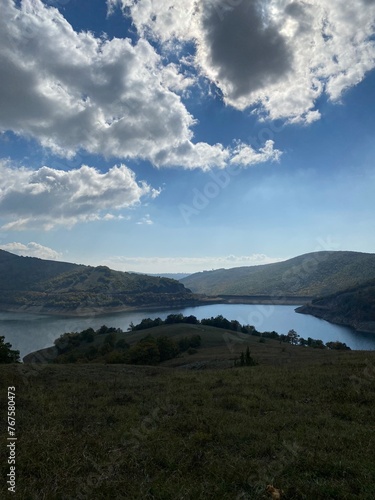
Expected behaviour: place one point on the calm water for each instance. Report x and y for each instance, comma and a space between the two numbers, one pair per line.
28, 332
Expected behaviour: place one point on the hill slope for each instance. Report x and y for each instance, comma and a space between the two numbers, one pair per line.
38, 285
354, 307
313, 274
23, 273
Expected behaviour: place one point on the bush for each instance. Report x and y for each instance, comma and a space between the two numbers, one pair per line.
167, 348
115, 357
88, 335
105, 349
110, 339
146, 352
122, 344
92, 353
340, 346
245, 359
7, 354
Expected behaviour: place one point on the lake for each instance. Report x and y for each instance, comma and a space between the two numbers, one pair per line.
27, 332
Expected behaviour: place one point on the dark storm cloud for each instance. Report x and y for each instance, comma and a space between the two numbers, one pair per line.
243, 46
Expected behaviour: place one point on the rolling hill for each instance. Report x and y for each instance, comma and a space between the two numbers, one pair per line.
353, 307
37, 285
312, 274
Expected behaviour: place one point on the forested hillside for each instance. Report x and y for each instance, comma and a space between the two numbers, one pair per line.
44, 286
354, 307
313, 274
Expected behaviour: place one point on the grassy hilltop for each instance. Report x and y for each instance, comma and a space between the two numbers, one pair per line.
195, 427
314, 274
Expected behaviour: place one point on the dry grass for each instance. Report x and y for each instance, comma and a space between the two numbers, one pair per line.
301, 420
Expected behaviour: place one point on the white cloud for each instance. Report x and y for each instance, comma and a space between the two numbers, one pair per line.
47, 197
32, 249
245, 155
146, 220
73, 91
184, 264
278, 56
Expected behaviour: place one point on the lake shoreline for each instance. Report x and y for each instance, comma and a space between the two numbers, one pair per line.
327, 315
206, 300
31, 332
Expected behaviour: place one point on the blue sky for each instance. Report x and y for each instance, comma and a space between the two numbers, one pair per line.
174, 137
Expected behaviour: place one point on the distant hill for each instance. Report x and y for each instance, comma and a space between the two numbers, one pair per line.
37, 285
174, 276
313, 274
353, 307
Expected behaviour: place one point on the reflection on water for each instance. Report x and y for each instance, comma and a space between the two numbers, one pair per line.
28, 332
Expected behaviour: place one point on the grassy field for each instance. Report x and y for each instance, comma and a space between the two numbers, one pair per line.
302, 420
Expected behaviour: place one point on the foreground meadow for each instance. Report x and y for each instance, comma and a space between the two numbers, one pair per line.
301, 420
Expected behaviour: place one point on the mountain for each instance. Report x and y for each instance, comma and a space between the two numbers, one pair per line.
353, 307
22, 273
313, 274
37, 285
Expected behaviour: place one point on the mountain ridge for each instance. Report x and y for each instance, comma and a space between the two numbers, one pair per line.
37, 285
312, 274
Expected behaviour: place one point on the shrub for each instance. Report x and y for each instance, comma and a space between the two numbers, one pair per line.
167, 348
110, 339
146, 352
340, 346
7, 354
92, 353
122, 344
88, 335
115, 357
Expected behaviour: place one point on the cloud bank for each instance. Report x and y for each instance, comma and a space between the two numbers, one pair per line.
278, 56
47, 197
75, 91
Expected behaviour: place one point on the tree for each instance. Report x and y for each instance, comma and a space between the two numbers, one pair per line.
338, 345
293, 337
249, 361
88, 335
242, 359
7, 354
146, 352
167, 348
110, 339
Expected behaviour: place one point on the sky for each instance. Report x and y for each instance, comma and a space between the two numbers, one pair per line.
182, 135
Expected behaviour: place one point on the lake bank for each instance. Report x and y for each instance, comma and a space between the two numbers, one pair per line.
326, 314
201, 301
31, 332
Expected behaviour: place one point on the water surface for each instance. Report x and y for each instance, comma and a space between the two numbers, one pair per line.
28, 332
